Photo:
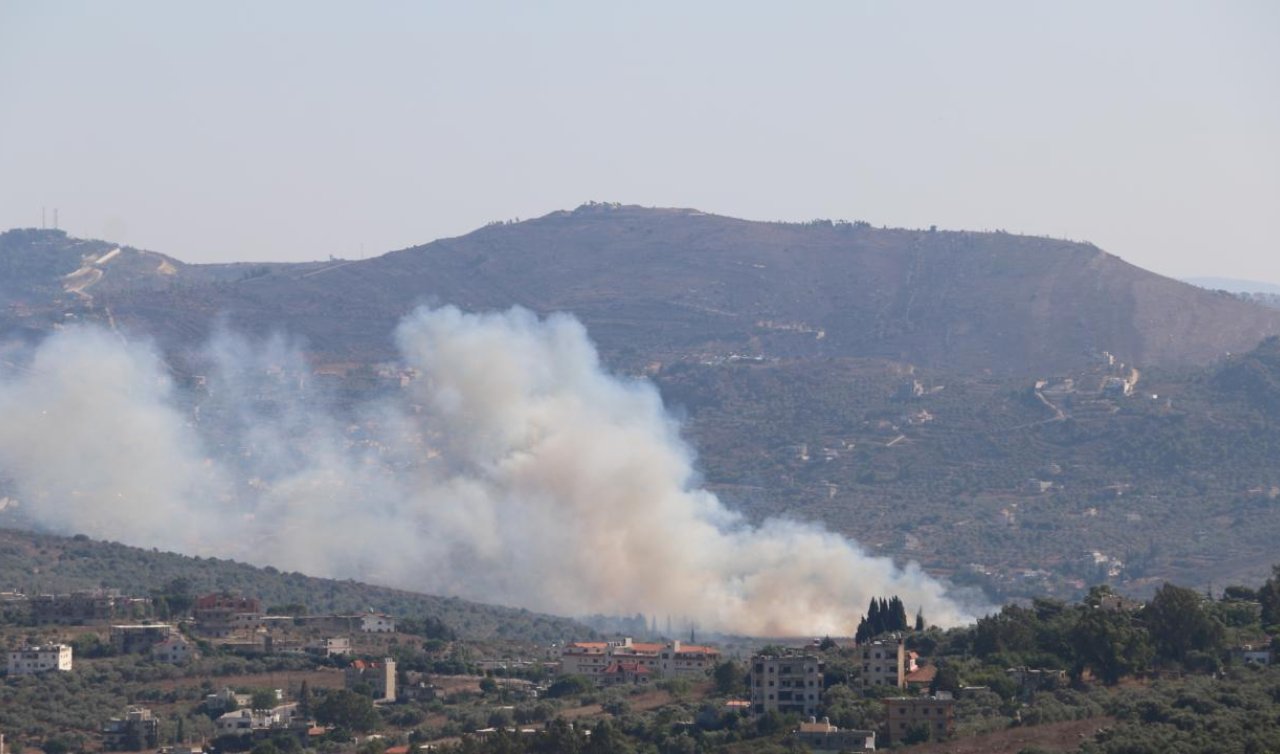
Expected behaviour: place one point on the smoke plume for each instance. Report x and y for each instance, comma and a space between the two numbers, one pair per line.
512, 468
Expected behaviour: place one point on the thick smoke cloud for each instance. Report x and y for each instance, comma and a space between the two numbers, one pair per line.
512, 468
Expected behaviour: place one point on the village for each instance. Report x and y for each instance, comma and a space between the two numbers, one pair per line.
225, 674
357, 654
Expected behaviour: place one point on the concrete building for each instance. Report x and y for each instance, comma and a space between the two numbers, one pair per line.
137, 730
247, 722
821, 737
673, 660
380, 676
221, 615
40, 659
134, 639
936, 713
625, 674
588, 658
328, 647
1251, 655
786, 683
377, 623
884, 663
90, 606
175, 650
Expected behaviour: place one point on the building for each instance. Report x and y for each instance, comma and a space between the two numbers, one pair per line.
1251, 655
221, 615
336, 645
377, 623
380, 676
588, 658
175, 650
819, 737
134, 639
96, 605
786, 683
921, 679
934, 713
1031, 680
137, 730
248, 722
679, 660
40, 659
225, 698
369, 623
625, 674
884, 663
671, 660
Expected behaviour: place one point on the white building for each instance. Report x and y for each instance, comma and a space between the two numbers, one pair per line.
176, 650
245, 721
39, 659
377, 623
675, 659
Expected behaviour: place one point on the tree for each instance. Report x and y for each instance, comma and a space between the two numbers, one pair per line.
897, 614
1179, 624
1269, 597
729, 677
346, 709
263, 699
916, 734
946, 679
920, 619
304, 700
863, 634
1109, 644
568, 686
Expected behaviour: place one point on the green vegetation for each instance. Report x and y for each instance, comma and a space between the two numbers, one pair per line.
40, 563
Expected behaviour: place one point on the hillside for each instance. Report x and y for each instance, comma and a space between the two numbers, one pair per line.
42, 563
661, 284
984, 479
787, 347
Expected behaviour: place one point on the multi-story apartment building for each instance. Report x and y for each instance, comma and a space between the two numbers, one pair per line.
786, 683
884, 663
676, 659
221, 615
40, 659
137, 730
936, 713
139, 638
88, 606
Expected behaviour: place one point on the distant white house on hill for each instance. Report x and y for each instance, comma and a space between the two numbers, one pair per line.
40, 659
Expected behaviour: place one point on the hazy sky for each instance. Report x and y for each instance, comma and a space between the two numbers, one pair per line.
295, 130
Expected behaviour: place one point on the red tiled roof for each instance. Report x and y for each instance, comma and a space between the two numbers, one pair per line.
402, 749
923, 674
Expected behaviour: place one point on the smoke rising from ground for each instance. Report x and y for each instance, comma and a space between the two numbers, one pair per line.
512, 468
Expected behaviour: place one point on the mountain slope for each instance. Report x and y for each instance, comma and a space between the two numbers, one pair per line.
665, 285
44, 563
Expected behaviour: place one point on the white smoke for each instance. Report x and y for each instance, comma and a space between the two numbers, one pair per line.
512, 469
